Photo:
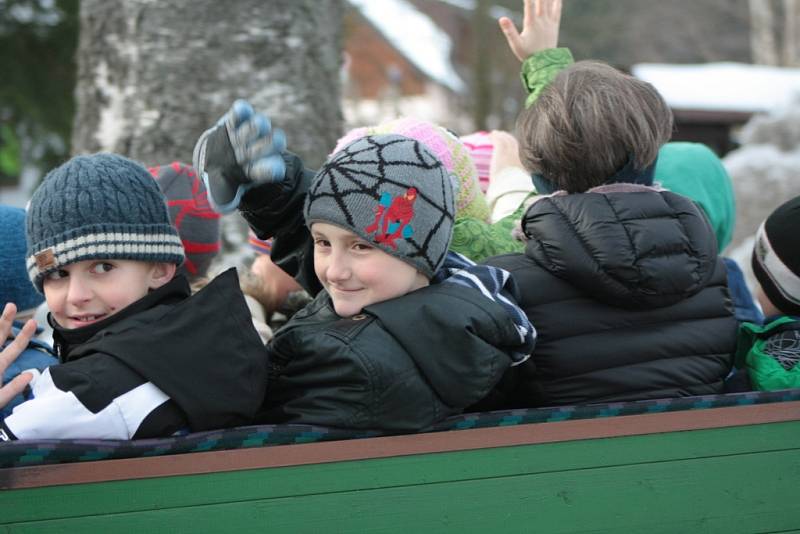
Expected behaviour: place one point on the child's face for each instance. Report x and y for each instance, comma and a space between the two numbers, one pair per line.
88, 291
355, 273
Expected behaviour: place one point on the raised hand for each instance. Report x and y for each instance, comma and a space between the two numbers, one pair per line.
540, 24
12, 351
242, 150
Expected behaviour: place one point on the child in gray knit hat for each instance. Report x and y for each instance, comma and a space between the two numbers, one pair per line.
401, 333
140, 356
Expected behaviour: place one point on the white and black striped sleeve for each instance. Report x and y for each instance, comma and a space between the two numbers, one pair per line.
76, 405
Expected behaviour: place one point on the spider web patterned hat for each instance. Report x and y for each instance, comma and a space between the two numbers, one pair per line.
392, 192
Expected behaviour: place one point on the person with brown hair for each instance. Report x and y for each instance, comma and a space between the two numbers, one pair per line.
616, 123
620, 277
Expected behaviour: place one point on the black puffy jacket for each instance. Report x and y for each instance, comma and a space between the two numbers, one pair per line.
628, 297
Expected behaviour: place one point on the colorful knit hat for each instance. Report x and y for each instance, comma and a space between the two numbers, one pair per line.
480, 147
190, 212
470, 202
259, 246
101, 206
776, 257
15, 286
393, 192
695, 171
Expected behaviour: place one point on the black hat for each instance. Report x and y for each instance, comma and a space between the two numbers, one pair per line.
776, 257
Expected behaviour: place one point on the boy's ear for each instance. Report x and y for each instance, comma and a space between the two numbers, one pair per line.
161, 274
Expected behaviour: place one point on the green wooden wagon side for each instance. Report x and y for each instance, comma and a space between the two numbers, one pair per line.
731, 469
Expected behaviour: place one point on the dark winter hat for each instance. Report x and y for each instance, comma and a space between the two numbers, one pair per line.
189, 210
100, 206
391, 191
15, 286
776, 257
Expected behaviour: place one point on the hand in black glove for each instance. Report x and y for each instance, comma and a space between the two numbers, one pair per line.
241, 151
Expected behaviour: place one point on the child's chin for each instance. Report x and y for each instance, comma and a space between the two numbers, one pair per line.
346, 310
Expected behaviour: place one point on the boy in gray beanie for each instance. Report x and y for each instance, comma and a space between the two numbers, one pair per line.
140, 356
401, 333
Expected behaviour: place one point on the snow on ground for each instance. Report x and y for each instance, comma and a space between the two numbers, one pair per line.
722, 86
415, 36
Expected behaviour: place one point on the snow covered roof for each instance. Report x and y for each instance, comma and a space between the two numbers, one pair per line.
415, 36
722, 86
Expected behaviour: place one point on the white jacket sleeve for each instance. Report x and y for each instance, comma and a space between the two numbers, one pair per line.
53, 413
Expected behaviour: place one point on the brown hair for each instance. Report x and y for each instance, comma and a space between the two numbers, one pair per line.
588, 122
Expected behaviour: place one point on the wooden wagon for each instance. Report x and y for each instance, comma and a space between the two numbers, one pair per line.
726, 463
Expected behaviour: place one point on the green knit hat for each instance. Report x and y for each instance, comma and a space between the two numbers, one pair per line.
695, 171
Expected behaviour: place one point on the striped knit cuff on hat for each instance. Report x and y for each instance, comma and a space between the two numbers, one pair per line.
102, 206
156, 243
391, 191
778, 276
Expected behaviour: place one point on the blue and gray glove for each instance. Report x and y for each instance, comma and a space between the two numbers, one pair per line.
239, 152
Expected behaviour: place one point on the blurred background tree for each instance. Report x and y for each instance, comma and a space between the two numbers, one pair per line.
153, 75
37, 61
294, 54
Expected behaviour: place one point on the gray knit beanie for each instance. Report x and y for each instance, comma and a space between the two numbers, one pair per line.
391, 191
101, 206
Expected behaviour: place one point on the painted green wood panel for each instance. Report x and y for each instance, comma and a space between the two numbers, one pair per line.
721, 476
730, 494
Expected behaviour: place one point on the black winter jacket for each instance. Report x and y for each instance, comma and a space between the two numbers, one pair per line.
628, 297
403, 364
167, 362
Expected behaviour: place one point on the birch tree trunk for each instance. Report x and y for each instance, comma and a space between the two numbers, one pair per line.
791, 33
153, 75
762, 32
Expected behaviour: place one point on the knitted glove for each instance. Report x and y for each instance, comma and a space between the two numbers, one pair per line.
239, 152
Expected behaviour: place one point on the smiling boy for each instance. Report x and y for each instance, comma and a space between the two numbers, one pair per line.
401, 333
356, 274
140, 356
86, 292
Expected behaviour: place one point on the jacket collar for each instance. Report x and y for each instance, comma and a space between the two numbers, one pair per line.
65, 338
628, 174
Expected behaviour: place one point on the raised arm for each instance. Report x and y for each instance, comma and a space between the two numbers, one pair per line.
540, 24
536, 45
